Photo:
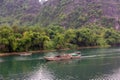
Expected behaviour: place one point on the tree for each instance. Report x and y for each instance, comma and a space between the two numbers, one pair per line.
112, 37
7, 39
52, 30
27, 39
59, 41
69, 37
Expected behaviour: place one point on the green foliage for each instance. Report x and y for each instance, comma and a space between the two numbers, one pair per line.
55, 37
68, 13
56, 25
69, 35
112, 36
59, 41
107, 22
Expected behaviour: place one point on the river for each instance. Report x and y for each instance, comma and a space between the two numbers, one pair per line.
95, 64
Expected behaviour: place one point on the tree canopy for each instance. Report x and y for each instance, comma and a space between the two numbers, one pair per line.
55, 37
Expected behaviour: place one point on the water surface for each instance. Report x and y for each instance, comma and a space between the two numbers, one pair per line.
95, 64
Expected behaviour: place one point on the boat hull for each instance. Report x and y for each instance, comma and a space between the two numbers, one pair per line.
62, 57
76, 57
52, 58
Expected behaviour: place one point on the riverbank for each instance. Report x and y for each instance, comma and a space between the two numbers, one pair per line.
40, 51
18, 53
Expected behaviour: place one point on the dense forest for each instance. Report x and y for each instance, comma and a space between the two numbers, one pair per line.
16, 39
66, 13
27, 25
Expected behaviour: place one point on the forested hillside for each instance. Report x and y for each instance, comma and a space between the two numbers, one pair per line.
76, 13
66, 13
19, 12
58, 24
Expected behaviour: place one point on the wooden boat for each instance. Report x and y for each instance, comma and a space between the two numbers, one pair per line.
59, 57
52, 58
25, 54
64, 57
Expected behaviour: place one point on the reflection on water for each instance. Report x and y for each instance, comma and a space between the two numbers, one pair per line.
114, 75
42, 73
95, 64
1, 60
20, 58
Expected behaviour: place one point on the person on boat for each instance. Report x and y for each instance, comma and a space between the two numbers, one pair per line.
78, 53
58, 56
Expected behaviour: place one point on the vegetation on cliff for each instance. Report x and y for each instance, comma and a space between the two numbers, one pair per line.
66, 13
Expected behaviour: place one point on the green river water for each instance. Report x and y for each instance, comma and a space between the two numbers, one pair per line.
95, 64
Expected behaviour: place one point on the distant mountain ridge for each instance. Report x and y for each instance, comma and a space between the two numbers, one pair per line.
66, 13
